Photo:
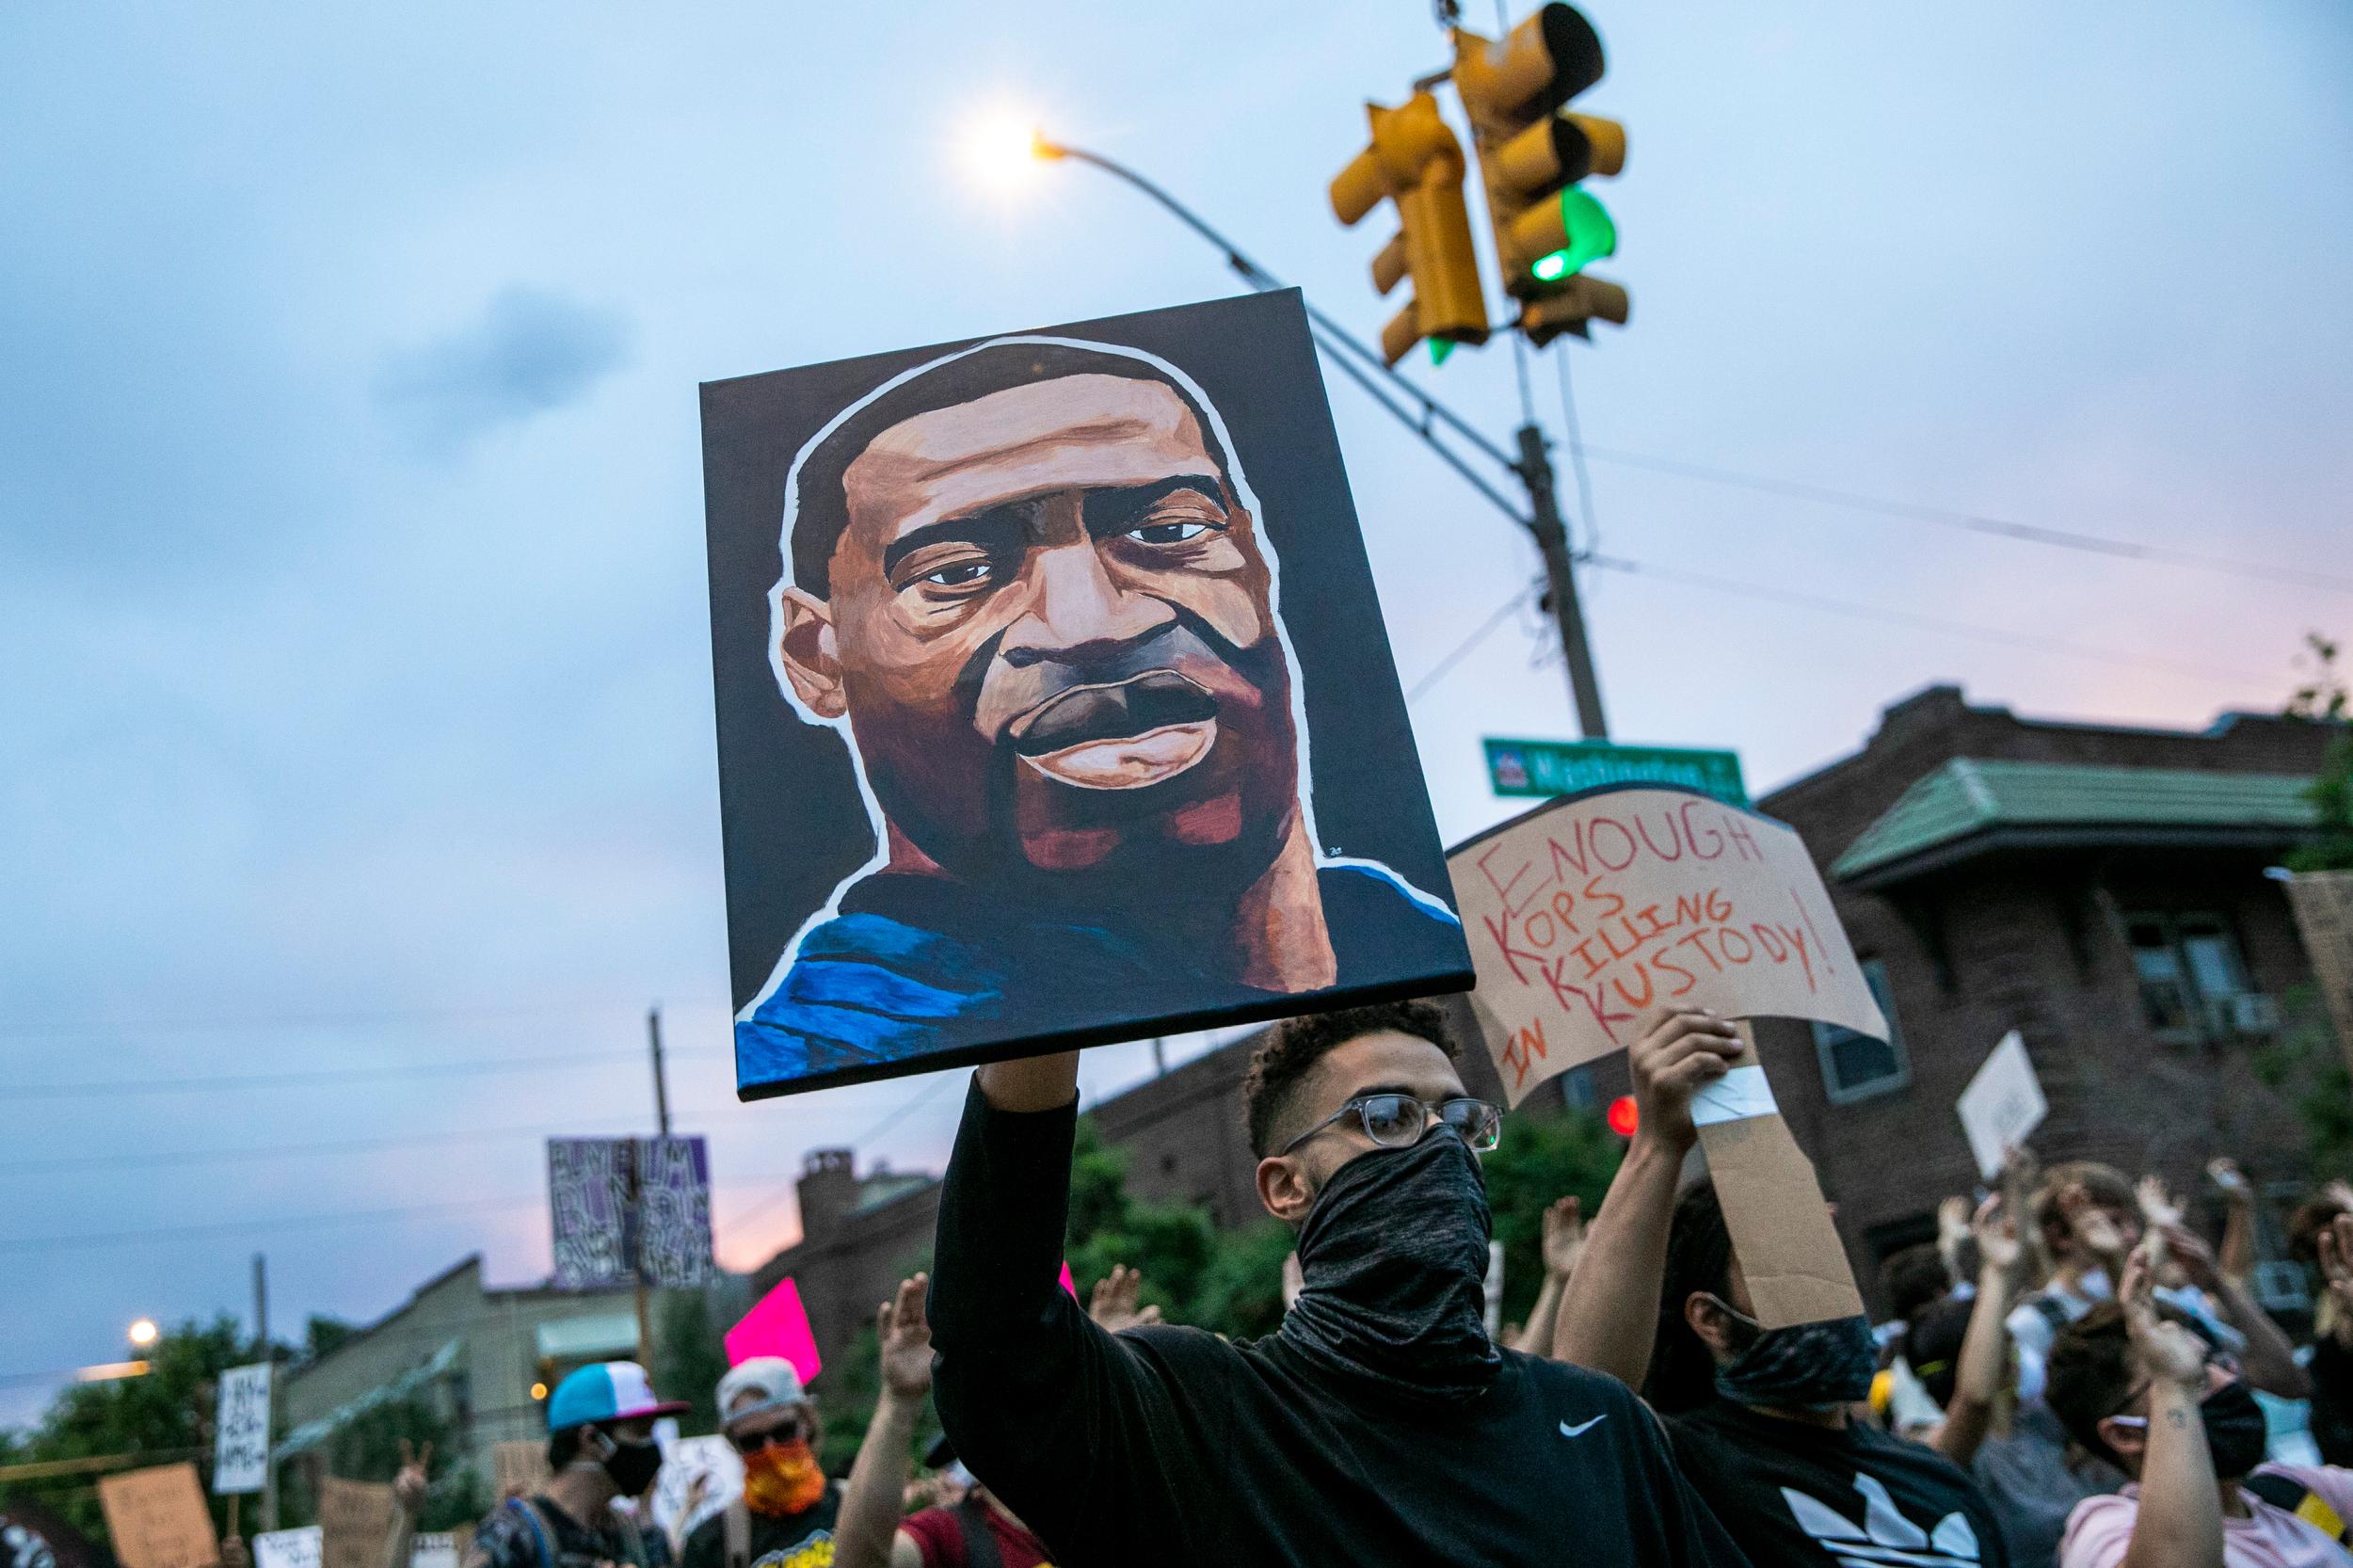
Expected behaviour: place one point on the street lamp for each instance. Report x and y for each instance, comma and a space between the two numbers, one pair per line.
1003, 150
144, 1333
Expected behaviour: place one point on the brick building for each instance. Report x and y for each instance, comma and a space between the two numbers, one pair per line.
2099, 889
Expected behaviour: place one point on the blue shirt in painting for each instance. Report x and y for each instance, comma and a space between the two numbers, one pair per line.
917, 965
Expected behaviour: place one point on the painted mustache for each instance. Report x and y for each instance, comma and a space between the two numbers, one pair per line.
1139, 731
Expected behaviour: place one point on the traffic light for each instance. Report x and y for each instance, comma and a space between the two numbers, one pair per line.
1416, 162
1532, 151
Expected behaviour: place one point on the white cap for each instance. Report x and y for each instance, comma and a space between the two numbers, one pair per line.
762, 1383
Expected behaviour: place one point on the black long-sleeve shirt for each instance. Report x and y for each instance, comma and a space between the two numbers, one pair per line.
1167, 1444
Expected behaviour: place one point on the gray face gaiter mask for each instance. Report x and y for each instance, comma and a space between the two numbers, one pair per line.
1394, 1253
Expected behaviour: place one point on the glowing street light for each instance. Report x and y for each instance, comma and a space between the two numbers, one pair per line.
1003, 150
144, 1333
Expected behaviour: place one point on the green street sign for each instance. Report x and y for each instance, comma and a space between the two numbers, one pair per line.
1546, 768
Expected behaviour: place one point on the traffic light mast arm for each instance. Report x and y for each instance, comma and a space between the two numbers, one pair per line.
1260, 278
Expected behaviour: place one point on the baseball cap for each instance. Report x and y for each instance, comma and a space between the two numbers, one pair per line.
772, 1381
606, 1391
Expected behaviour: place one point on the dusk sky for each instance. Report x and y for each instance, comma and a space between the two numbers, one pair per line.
353, 674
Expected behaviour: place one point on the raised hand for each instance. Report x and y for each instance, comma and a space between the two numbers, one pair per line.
2092, 1225
2168, 1352
2157, 1206
233, 1553
1564, 1237
409, 1483
1995, 1232
2224, 1173
1112, 1303
1682, 1051
2336, 1267
2188, 1249
905, 1336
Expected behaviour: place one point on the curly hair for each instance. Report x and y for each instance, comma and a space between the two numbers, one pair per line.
1271, 1086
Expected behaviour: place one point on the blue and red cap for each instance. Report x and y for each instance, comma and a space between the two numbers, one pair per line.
606, 1391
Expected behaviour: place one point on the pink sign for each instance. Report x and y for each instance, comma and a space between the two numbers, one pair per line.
778, 1326
1068, 1284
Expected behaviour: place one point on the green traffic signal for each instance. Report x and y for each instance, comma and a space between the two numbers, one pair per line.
1591, 234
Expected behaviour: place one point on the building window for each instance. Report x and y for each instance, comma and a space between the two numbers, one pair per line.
1855, 1066
2189, 971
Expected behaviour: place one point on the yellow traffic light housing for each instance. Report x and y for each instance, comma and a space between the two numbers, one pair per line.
1416, 161
1532, 153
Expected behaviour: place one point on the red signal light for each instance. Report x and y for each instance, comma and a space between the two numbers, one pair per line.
1624, 1117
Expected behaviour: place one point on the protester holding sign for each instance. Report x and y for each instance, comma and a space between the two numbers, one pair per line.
1379, 1425
601, 1446
789, 1513
1761, 1418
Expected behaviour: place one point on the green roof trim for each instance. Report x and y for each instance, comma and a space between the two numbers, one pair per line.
1968, 795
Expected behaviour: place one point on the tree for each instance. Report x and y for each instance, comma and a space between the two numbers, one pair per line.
2323, 699
1543, 1158
690, 1356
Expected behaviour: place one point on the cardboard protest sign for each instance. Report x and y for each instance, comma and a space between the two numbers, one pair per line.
519, 1467
354, 1520
1015, 715
777, 1324
2323, 902
1587, 912
2002, 1105
32, 1537
626, 1210
440, 1548
157, 1518
241, 1429
287, 1548
699, 1475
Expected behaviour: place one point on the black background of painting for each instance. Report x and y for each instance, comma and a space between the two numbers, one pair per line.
790, 817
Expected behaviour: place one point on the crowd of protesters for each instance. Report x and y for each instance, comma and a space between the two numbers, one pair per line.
2073, 1377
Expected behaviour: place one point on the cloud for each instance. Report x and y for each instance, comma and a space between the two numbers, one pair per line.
532, 352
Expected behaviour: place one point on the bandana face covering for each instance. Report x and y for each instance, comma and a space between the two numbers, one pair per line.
1803, 1367
1394, 1253
782, 1478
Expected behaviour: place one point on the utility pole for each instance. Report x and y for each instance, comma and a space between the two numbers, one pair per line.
1568, 613
261, 1331
660, 1080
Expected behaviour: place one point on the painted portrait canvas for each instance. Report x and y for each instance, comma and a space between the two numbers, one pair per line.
1055, 703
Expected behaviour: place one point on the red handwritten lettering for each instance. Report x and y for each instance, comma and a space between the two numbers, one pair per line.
1592, 841
1629, 997
1714, 839
1660, 961
1741, 836
1805, 956
1674, 841
1594, 892
1726, 937
1698, 940
1503, 889
1772, 944
1501, 935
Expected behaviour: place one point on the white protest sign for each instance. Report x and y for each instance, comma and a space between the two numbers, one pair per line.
2002, 1104
700, 1477
436, 1548
241, 1429
300, 1549
1589, 911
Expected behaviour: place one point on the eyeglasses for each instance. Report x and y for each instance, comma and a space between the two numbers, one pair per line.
750, 1443
1397, 1121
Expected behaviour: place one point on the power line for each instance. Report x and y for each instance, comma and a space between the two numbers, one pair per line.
1903, 617
890, 1120
1462, 650
1585, 513
338, 1146
2063, 538
253, 1022
296, 1221
334, 1075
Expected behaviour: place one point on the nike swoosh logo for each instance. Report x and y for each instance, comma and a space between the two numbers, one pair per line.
1583, 1427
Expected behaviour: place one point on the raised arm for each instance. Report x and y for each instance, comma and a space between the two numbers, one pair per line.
1040, 1402
409, 1486
2268, 1362
1564, 1243
870, 1504
1609, 1308
1985, 1345
2179, 1520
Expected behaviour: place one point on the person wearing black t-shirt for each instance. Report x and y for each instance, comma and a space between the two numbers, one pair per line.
1379, 1425
789, 1515
1761, 1418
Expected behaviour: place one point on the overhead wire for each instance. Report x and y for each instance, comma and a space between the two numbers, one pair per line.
466, 1067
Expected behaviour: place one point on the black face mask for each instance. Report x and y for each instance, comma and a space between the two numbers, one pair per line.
1803, 1367
2236, 1436
633, 1465
1394, 1256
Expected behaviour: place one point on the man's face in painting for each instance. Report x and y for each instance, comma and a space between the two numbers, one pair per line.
1051, 625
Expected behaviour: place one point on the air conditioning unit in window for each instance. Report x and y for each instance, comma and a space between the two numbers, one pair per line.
2249, 1012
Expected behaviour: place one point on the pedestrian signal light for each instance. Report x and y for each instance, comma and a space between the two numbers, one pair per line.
1624, 1117
1532, 153
1415, 161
